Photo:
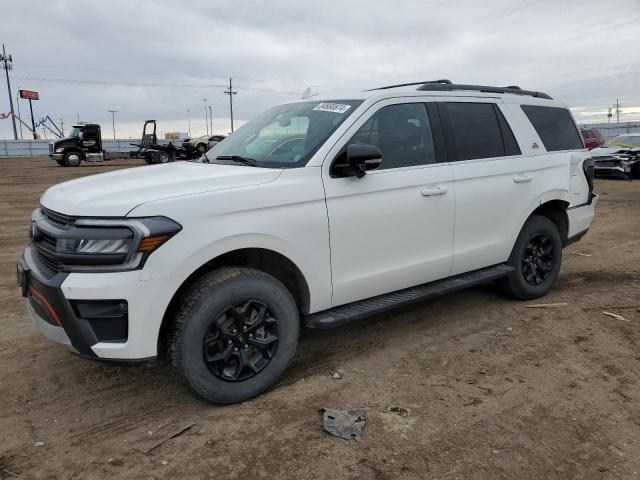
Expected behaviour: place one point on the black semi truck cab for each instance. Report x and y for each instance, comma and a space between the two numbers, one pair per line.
84, 143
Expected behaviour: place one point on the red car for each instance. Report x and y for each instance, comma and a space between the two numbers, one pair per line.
592, 138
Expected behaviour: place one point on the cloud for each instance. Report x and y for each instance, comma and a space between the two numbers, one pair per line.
583, 52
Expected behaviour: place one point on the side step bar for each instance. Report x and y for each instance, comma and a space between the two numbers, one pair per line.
336, 317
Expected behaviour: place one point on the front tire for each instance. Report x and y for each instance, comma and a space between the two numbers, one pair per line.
536, 259
201, 148
72, 159
234, 334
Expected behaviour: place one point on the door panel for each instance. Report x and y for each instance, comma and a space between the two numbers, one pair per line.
392, 228
494, 195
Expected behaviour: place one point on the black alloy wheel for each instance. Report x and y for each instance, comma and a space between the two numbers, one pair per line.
538, 259
241, 341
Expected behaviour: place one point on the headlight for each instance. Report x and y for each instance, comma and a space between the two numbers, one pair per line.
103, 244
59, 149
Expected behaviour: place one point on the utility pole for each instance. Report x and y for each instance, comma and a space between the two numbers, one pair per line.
211, 119
609, 116
618, 105
6, 61
189, 121
18, 105
206, 120
62, 127
231, 93
113, 121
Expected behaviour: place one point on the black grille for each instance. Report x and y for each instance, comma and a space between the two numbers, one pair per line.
48, 242
51, 265
57, 218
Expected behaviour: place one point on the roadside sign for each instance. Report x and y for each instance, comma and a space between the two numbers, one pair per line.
29, 94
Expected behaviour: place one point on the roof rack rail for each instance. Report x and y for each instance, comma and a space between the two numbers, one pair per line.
443, 82
440, 86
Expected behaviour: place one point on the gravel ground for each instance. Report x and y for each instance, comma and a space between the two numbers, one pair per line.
471, 385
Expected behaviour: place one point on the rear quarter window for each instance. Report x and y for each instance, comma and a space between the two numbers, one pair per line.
554, 126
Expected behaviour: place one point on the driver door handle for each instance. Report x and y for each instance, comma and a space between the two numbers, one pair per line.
431, 191
522, 178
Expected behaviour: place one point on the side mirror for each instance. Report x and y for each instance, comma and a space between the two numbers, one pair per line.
359, 158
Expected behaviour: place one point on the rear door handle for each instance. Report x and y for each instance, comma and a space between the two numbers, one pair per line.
522, 178
431, 191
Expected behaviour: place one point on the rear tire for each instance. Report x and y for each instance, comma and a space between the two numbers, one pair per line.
73, 159
536, 259
234, 334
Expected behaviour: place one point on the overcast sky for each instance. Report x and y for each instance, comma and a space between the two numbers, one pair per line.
156, 59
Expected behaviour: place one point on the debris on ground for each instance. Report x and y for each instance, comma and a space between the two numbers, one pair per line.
582, 254
400, 411
345, 424
546, 305
336, 376
154, 439
39, 444
616, 316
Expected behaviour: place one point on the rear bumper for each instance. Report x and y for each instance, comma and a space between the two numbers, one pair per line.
580, 218
57, 305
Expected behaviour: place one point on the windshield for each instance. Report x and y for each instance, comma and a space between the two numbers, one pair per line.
287, 135
624, 141
74, 133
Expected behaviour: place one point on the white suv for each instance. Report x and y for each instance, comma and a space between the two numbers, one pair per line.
320, 212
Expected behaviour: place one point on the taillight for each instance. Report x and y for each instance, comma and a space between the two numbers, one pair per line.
587, 166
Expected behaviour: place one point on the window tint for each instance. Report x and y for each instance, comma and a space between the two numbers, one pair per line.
476, 130
402, 133
587, 134
554, 126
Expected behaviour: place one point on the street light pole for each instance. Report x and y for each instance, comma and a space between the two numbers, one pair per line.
7, 65
113, 121
206, 120
211, 119
189, 121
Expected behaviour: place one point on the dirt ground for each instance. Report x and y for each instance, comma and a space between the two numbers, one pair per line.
471, 385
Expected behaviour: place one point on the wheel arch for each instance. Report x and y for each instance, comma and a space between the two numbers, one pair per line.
263, 259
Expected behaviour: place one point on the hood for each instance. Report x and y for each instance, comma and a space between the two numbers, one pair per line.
115, 194
602, 151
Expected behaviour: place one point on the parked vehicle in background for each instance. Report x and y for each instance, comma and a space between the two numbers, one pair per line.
203, 143
592, 137
84, 143
318, 212
618, 157
154, 152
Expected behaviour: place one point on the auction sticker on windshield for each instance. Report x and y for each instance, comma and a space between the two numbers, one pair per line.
332, 107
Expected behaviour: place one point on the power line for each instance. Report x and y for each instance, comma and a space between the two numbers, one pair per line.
148, 84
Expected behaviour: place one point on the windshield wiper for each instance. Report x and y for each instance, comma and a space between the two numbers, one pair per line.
238, 159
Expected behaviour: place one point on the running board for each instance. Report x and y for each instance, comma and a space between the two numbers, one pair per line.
344, 314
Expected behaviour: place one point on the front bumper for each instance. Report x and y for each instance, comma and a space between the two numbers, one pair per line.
53, 301
56, 156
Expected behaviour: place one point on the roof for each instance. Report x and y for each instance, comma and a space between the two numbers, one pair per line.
440, 88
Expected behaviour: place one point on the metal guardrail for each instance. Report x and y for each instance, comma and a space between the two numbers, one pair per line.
34, 148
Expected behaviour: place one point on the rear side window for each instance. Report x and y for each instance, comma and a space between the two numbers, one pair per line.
554, 126
480, 131
587, 134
